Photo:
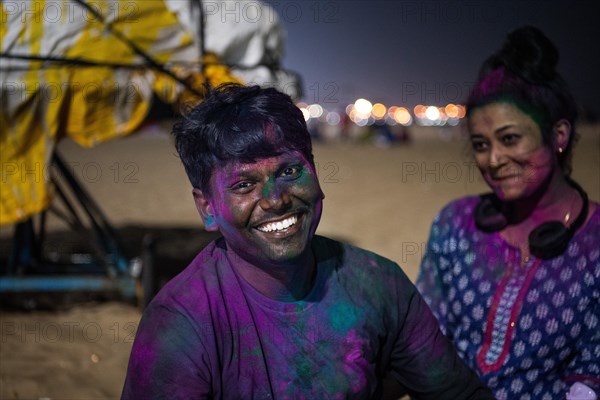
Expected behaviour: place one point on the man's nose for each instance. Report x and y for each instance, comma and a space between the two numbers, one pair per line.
275, 196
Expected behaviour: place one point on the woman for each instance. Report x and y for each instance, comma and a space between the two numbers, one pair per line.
514, 276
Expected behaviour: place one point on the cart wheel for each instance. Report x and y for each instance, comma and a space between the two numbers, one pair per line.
147, 281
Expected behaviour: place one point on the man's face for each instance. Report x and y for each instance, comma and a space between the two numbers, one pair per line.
267, 211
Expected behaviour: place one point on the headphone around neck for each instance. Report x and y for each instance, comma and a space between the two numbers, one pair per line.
548, 240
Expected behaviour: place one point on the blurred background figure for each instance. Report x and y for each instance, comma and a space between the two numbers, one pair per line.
513, 276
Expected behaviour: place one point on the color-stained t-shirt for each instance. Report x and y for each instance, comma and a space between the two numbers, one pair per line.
529, 331
209, 334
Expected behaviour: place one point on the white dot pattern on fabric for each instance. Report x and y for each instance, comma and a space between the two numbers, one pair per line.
533, 296
581, 263
560, 342
574, 289
477, 274
477, 312
516, 386
475, 337
525, 322
469, 297
566, 274
549, 286
484, 287
558, 299
551, 326
555, 309
519, 348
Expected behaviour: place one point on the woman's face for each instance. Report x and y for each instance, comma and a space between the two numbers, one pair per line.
509, 150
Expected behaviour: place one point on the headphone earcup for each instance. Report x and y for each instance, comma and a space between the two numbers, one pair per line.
549, 240
488, 216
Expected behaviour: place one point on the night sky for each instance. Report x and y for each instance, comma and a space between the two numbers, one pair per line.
427, 52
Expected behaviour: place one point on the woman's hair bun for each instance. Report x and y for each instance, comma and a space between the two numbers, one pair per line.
528, 53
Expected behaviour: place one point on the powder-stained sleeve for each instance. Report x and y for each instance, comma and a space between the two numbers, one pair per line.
423, 360
436, 261
167, 360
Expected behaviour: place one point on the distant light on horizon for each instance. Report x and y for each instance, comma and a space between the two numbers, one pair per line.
419, 111
333, 118
305, 113
378, 111
363, 106
432, 113
315, 110
451, 110
402, 116
363, 113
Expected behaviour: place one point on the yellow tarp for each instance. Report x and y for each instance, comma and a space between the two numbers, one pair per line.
42, 101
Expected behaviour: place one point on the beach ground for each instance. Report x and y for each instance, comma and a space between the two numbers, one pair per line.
381, 199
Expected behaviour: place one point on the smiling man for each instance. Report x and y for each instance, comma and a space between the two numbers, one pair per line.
271, 311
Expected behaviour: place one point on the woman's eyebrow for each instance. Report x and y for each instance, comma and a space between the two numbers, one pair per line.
503, 128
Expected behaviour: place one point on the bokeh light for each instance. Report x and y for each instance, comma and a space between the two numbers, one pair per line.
305, 113
419, 111
432, 113
315, 110
363, 106
333, 118
451, 110
402, 116
378, 110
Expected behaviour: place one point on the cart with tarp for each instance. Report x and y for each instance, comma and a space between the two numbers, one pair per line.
90, 70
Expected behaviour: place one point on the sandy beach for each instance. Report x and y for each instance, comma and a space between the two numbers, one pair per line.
381, 199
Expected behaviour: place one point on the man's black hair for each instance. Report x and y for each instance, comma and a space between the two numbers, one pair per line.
236, 123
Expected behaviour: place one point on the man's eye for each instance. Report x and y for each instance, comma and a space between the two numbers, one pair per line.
242, 187
291, 172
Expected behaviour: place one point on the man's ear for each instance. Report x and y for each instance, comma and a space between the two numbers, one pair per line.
562, 134
205, 210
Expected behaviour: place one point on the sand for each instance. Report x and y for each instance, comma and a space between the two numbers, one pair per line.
376, 198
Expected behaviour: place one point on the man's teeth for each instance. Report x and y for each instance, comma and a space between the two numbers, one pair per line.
278, 226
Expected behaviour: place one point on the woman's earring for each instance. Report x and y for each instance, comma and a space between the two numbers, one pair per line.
560, 150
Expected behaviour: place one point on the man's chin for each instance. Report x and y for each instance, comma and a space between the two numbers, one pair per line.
279, 252
286, 254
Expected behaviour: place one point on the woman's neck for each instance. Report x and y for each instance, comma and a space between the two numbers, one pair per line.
555, 200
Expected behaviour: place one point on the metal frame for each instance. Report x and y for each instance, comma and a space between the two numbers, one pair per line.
107, 269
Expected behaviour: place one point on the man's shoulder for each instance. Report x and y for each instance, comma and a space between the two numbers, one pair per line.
196, 282
353, 257
371, 278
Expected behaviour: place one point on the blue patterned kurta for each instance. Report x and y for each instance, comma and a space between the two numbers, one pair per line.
529, 331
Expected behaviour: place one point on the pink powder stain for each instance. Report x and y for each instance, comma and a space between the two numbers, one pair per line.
354, 363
